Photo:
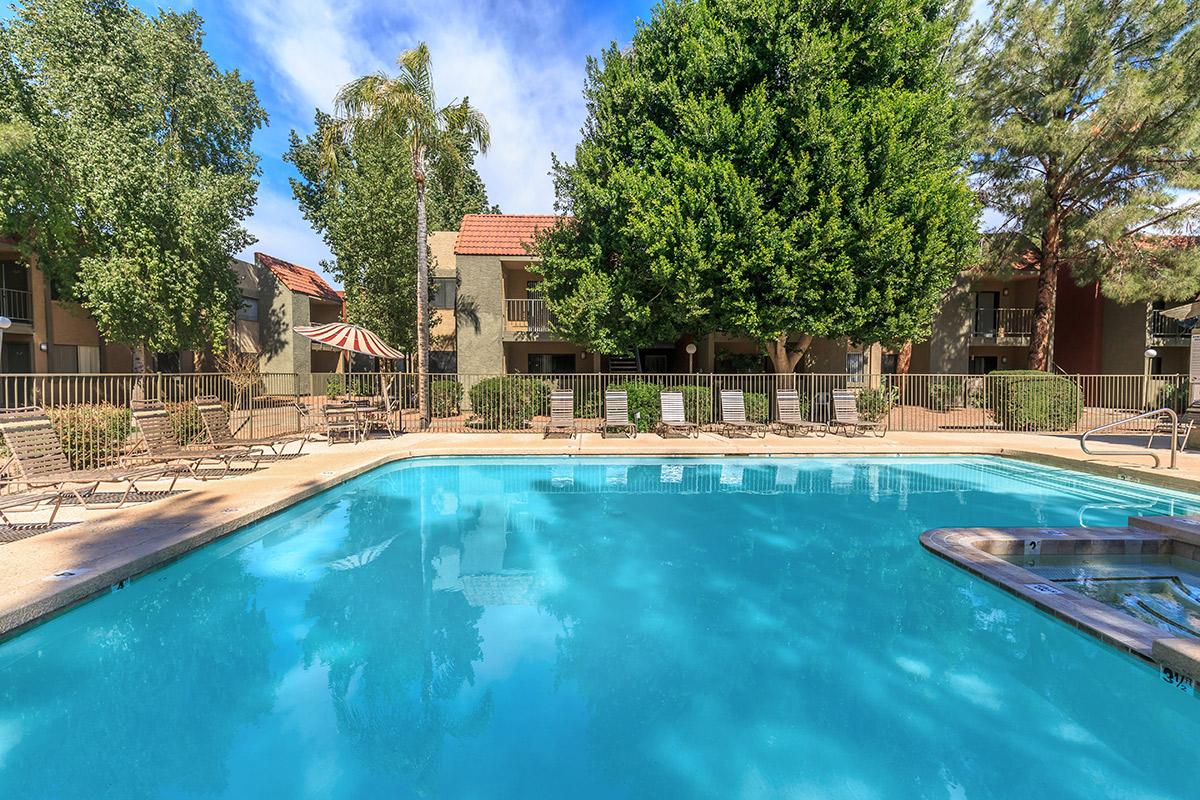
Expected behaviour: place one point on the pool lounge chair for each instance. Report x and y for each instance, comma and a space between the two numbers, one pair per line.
562, 413
160, 443
789, 421
846, 418
733, 415
616, 415
673, 418
38, 455
29, 502
220, 433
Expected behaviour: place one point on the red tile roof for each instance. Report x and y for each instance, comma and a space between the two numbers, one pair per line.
298, 279
500, 234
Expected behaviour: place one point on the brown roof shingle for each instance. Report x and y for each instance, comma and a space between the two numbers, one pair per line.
298, 279
500, 234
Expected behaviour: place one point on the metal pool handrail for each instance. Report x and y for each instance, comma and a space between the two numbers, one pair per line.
1169, 413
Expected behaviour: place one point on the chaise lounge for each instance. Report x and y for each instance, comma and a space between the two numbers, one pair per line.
733, 415
673, 417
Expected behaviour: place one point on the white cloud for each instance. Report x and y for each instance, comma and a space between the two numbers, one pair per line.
282, 232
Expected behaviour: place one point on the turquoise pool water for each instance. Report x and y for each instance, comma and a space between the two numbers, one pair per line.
602, 629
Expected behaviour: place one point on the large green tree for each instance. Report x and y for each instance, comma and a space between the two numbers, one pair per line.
775, 169
1089, 128
400, 114
365, 215
127, 168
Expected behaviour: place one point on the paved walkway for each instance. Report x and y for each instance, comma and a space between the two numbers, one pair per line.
54, 569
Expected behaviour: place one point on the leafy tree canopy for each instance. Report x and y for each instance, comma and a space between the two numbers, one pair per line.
1088, 124
365, 214
764, 167
126, 169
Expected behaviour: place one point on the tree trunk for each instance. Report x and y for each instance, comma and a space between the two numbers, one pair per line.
1047, 293
139, 370
904, 359
784, 361
423, 399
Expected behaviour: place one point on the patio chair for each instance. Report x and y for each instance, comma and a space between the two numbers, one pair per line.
342, 419
38, 455
616, 415
220, 433
673, 418
733, 415
162, 445
789, 420
562, 413
846, 417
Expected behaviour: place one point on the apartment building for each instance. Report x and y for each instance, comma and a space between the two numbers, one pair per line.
984, 323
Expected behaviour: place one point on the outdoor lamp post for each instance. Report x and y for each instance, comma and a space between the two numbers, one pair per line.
1150, 355
691, 351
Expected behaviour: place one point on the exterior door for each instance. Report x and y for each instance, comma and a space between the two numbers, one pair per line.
987, 306
15, 358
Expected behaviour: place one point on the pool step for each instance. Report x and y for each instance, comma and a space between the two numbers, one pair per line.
1183, 529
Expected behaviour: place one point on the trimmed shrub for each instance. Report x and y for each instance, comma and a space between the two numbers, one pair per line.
92, 436
943, 394
1029, 400
758, 407
509, 402
445, 397
643, 400
588, 404
874, 404
697, 403
188, 424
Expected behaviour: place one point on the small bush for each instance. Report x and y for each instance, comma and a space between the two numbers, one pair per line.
445, 397
874, 404
758, 407
1173, 396
509, 402
340, 385
92, 436
943, 395
697, 403
643, 400
187, 423
587, 404
1029, 400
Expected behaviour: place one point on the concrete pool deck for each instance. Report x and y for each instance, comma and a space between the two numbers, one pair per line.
51, 571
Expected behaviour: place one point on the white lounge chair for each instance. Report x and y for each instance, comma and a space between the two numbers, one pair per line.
616, 415
673, 418
847, 419
562, 413
733, 415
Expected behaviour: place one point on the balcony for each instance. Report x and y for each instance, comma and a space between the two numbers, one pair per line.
17, 305
1164, 330
526, 316
1002, 326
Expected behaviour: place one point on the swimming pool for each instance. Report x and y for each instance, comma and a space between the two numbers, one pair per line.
601, 628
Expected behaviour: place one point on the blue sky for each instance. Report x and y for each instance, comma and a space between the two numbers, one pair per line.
522, 63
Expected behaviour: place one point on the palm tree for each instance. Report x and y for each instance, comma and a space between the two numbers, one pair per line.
402, 110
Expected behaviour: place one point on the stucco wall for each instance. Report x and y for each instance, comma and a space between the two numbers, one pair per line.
1124, 343
481, 328
951, 338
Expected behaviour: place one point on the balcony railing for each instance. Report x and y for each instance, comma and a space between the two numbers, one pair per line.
1002, 323
1162, 327
16, 304
527, 315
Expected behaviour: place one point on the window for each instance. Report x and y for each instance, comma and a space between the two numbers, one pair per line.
248, 310
981, 365
443, 361
64, 358
889, 363
855, 365
69, 358
542, 363
443, 293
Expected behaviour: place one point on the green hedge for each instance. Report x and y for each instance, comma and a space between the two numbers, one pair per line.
758, 407
588, 404
92, 436
445, 397
1029, 400
643, 400
874, 404
697, 403
510, 402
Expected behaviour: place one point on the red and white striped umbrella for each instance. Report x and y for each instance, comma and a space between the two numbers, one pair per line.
345, 336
